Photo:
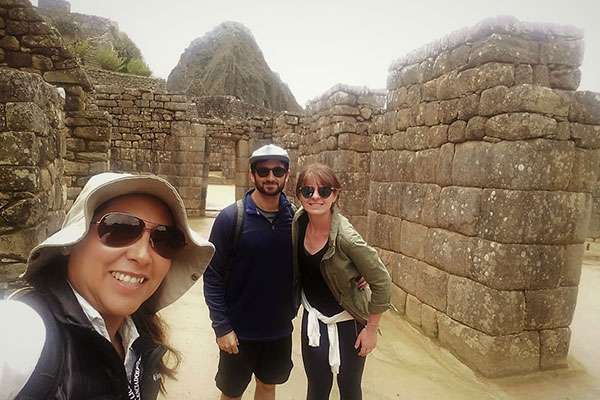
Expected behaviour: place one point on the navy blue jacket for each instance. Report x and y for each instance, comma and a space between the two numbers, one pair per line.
257, 298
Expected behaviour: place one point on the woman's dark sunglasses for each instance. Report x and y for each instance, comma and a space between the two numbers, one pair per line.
263, 172
324, 191
119, 230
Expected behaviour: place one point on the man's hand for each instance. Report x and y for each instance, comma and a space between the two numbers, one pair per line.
366, 340
228, 343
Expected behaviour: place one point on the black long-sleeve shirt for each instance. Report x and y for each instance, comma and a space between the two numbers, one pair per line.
257, 299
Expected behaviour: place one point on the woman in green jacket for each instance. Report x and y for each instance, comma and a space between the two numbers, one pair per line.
340, 320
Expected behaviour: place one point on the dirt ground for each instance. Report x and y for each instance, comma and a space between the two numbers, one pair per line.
406, 364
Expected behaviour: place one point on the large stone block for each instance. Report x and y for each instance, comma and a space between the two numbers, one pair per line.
505, 49
19, 179
432, 287
25, 212
550, 308
586, 108
523, 98
443, 173
585, 136
398, 299
585, 170
493, 356
449, 251
526, 165
429, 322
19, 149
571, 267
26, 117
554, 348
97, 133
17, 245
459, 209
407, 273
426, 165
413, 310
562, 52
517, 126
384, 231
565, 78
536, 217
412, 201
489, 310
413, 239
514, 266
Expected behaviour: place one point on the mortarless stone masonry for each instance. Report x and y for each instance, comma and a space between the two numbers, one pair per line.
475, 180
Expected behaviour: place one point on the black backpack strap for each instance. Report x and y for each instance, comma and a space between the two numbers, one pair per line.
238, 222
47, 375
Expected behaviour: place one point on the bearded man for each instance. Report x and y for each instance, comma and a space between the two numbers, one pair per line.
250, 286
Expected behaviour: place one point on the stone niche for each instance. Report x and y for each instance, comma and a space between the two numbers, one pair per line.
481, 180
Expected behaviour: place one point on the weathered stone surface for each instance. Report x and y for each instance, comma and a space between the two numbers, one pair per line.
33, 41
475, 129
443, 174
488, 310
585, 170
541, 75
17, 59
68, 76
522, 98
413, 310
413, 239
429, 321
10, 43
432, 287
566, 79
407, 272
17, 245
518, 126
586, 136
523, 74
493, 356
351, 141
505, 48
24, 212
512, 216
474, 80
98, 133
19, 179
459, 209
26, 117
76, 168
564, 52
571, 268
398, 299
514, 266
586, 108
456, 132
536, 164
18, 149
426, 165
449, 251
554, 348
384, 231
550, 308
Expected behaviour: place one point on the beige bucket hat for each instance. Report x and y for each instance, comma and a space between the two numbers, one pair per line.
186, 267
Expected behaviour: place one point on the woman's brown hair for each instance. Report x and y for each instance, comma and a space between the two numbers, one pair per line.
321, 173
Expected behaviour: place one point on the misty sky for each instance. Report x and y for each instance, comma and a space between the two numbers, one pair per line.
314, 44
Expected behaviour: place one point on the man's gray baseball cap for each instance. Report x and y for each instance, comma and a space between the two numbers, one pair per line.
270, 152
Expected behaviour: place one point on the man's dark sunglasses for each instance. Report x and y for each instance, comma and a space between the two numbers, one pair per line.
263, 172
324, 191
119, 230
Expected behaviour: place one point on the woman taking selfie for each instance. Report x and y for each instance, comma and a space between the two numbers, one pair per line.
340, 320
124, 252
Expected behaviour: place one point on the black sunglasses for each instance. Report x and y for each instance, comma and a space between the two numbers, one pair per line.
324, 191
263, 172
119, 230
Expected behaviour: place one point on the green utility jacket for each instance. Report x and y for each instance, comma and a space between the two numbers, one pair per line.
348, 257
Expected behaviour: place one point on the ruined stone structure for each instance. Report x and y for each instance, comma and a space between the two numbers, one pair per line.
103, 77
473, 174
481, 174
337, 134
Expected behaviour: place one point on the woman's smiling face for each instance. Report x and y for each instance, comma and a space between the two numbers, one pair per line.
117, 280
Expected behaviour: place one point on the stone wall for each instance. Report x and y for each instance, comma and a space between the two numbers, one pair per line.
157, 133
336, 133
57, 6
32, 145
481, 174
103, 77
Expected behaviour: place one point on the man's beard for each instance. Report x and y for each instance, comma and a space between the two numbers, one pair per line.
270, 192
